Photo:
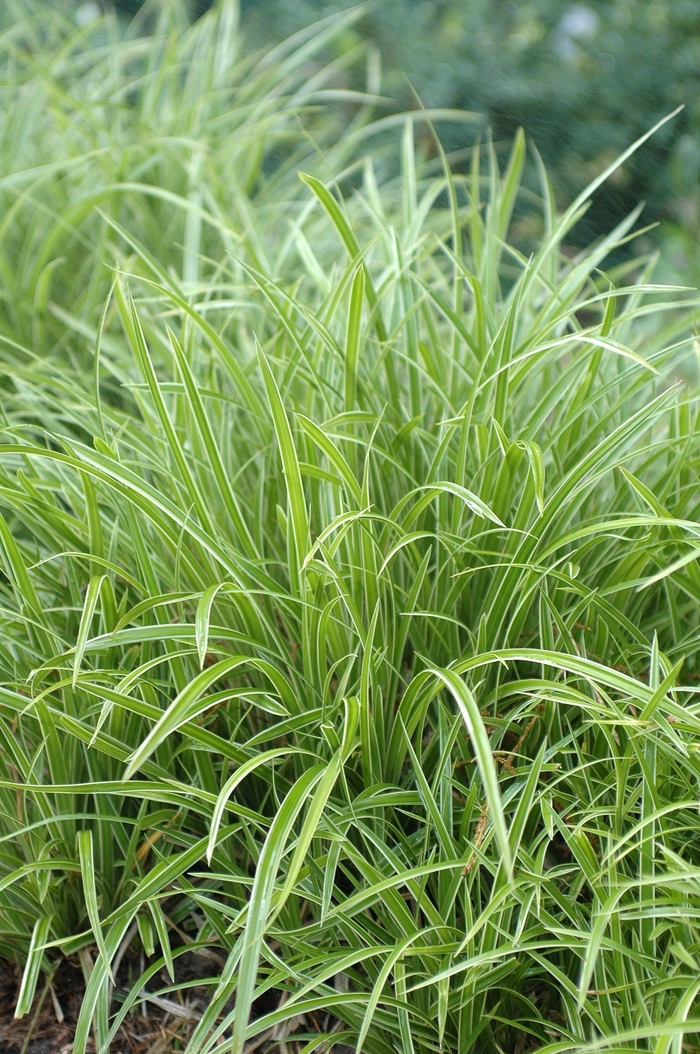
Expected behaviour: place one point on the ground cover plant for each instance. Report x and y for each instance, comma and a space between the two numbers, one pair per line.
349, 587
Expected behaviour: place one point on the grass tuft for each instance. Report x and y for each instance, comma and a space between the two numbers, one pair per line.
349, 569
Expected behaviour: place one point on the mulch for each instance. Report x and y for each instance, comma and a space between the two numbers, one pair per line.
50, 1026
41, 1031
150, 1029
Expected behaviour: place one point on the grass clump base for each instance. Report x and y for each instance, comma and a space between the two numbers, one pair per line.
349, 586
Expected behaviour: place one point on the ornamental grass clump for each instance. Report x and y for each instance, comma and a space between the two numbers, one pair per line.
349, 573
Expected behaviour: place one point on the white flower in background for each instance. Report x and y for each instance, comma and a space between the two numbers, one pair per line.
578, 22
87, 13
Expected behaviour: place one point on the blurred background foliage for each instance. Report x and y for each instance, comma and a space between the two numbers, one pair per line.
583, 80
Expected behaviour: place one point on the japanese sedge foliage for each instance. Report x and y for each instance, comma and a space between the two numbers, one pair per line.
174, 133
349, 607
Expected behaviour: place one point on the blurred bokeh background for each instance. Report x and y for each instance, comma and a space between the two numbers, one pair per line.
583, 79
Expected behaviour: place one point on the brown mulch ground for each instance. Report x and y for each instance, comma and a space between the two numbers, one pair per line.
42, 1032
50, 1027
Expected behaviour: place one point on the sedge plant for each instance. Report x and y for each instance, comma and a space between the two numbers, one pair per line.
349, 592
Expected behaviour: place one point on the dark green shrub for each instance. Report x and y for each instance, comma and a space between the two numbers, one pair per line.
584, 80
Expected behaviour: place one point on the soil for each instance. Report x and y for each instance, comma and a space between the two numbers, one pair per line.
50, 1027
150, 1029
